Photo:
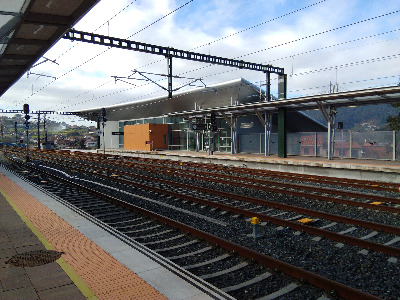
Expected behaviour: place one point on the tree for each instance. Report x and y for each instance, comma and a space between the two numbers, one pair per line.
394, 121
81, 144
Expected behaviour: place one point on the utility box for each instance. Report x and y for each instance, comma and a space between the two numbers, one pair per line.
146, 137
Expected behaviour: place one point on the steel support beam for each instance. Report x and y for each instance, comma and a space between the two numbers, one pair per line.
234, 144
227, 119
282, 149
266, 122
268, 128
260, 117
47, 19
38, 130
169, 64
323, 111
268, 86
282, 86
394, 145
232, 125
98, 132
282, 94
98, 39
331, 132
7, 28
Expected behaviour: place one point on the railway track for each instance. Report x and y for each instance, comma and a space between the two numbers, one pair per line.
219, 216
358, 199
324, 180
247, 212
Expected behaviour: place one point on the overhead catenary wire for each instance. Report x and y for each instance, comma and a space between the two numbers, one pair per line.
246, 29
367, 61
320, 33
338, 44
343, 83
249, 28
252, 27
260, 24
196, 69
351, 64
302, 38
97, 55
97, 28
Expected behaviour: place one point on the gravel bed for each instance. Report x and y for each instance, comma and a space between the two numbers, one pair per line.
242, 275
372, 273
217, 266
196, 258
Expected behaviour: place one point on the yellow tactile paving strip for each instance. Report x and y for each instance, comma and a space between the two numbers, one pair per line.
104, 275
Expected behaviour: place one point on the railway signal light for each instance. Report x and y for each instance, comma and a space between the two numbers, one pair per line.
103, 114
213, 118
26, 108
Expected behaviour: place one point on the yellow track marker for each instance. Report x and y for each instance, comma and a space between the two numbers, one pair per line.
305, 220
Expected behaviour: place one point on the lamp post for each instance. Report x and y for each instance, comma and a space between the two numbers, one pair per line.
16, 133
27, 117
103, 115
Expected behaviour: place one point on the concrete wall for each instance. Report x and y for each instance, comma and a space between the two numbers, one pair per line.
112, 141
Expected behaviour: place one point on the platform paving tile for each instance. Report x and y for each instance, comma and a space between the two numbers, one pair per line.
29, 282
6, 252
13, 278
47, 276
104, 275
65, 292
28, 293
31, 247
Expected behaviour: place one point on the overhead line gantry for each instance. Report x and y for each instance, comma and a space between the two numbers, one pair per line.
170, 53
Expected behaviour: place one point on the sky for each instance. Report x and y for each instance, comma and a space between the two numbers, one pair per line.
349, 44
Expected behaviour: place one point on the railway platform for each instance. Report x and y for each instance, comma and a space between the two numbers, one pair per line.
42, 282
96, 263
362, 169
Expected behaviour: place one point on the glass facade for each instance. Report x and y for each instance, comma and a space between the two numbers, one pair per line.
182, 137
347, 144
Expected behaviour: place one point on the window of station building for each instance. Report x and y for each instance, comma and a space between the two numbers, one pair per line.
172, 120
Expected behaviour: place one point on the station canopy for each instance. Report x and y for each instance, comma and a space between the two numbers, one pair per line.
373, 96
29, 28
236, 97
235, 92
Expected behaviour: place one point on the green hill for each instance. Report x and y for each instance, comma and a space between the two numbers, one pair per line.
369, 117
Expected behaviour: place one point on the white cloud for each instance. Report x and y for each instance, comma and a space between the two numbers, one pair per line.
84, 71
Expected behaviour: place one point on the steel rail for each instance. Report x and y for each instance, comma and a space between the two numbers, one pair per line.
357, 222
212, 177
265, 260
373, 185
296, 226
369, 184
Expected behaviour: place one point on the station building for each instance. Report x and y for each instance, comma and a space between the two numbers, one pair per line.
161, 124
